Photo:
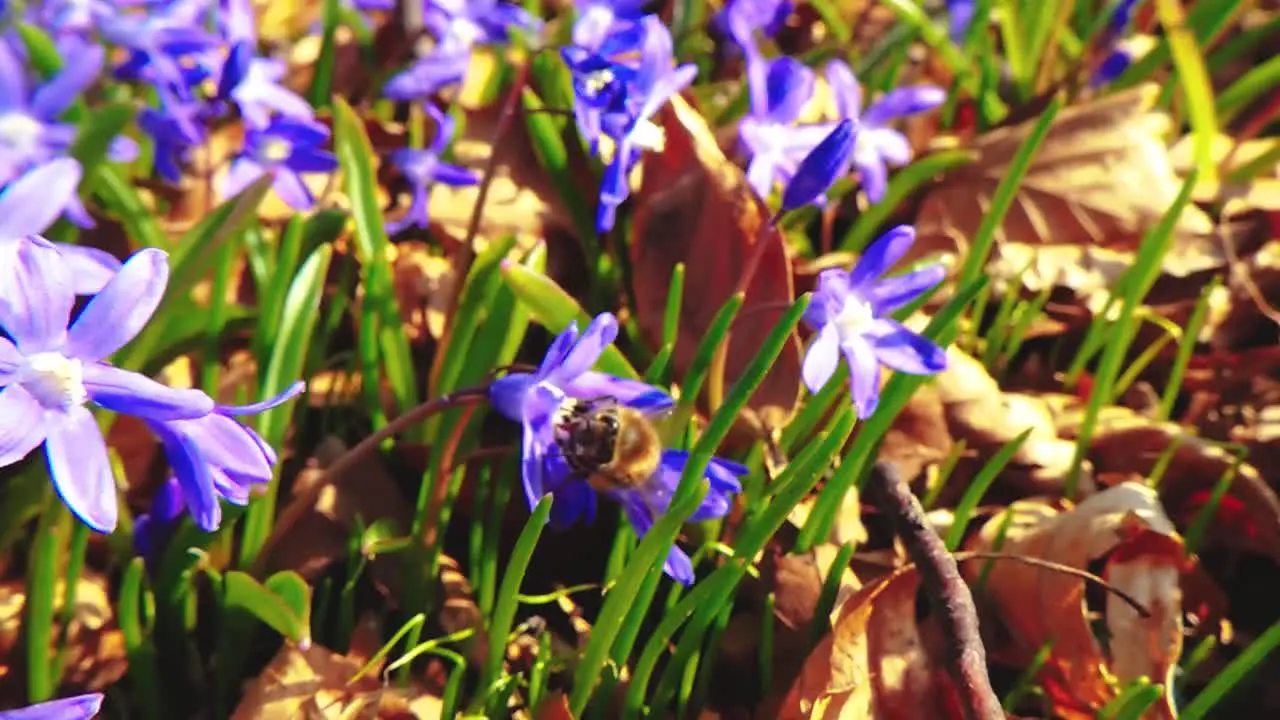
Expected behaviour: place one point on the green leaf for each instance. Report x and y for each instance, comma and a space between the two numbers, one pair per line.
652, 550
381, 328
555, 309
283, 602
1194, 80
1005, 194
96, 133
139, 650
504, 613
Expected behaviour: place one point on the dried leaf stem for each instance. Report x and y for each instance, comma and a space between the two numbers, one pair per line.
947, 592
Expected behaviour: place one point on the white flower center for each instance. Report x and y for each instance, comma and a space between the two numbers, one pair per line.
465, 31
55, 380
276, 150
598, 80
855, 318
19, 131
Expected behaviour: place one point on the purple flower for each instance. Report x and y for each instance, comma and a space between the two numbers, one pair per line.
253, 84
79, 707
216, 456
961, 12
779, 90
598, 20
850, 312
153, 529
1119, 57
601, 75
740, 19
533, 399
50, 372
285, 149
828, 162
423, 168
878, 147
540, 402
28, 206
628, 126
30, 132
174, 130
458, 26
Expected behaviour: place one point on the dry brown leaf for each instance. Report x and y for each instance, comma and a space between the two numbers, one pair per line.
986, 418
424, 284
1101, 177
877, 662
522, 199
695, 207
1125, 528
1125, 443
315, 683
95, 656
320, 534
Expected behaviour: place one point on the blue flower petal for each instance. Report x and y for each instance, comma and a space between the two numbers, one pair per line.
864, 375
116, 314
79, 707
32, 202
905, 351
882, 255
134, 394
81, 469
23, 424
821, 359
825, 164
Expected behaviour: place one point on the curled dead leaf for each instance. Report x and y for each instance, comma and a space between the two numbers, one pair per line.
878, 661
695, 207
1126, 530
986, 418
1126, 443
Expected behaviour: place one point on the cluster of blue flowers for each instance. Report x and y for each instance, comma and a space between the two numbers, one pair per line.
623, 72
771, 133
200, 60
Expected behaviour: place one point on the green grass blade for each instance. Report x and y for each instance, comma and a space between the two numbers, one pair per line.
653, 549
978, 488
1233, 676
42, 577
505, 612
1194, 80
700, 366
298, 320
1004, 196
1260, 80
1190, 336
1142, 276
381, 327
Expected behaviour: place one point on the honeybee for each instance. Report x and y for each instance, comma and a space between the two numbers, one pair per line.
613, 446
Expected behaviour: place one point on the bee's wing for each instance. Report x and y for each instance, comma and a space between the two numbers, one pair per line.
667, 423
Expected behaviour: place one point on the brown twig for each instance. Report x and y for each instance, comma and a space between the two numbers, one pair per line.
945, 588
